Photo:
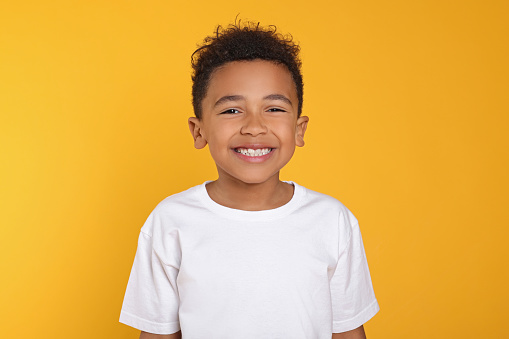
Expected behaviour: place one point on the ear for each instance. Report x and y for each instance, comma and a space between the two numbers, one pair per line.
197, 132
300, 129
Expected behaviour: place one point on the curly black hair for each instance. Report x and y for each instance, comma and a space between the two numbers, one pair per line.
243, 41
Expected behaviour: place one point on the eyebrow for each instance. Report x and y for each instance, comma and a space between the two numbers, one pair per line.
280, 97
228, 98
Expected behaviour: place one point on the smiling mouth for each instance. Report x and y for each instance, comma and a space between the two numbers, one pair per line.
254, 152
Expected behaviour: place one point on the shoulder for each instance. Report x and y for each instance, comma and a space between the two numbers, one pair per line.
172, 209
320, 201
188, 198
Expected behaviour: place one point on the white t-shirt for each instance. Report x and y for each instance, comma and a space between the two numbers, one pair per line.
296, 271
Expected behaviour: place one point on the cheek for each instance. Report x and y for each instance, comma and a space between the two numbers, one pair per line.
219, 142
287, 134
226, 128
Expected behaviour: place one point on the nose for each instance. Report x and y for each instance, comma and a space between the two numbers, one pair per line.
253, 125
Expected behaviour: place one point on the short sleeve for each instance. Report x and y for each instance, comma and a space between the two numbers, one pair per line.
151, 300
353, 298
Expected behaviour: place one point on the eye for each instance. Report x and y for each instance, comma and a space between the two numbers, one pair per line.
231, 111
276, 109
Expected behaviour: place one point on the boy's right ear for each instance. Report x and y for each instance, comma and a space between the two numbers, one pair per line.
197, 132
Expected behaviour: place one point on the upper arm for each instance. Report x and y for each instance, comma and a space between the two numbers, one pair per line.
352, 295
151, 299
358, 333
145, 335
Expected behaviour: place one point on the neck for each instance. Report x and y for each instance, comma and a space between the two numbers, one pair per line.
236, 194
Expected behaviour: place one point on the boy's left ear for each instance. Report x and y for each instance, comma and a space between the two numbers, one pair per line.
302, 125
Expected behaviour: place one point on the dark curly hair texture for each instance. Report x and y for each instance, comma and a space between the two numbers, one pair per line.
243, 42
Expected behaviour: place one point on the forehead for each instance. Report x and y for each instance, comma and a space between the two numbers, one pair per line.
251, 79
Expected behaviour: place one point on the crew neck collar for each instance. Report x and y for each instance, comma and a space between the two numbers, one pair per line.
249, 216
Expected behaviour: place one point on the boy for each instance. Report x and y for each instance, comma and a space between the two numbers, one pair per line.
247, 255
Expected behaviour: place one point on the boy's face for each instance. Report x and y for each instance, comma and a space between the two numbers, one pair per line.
249, 120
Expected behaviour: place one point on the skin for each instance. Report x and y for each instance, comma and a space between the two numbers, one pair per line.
145, 335
250, 104
358, 333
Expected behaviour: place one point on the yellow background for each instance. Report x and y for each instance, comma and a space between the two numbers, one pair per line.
408, 107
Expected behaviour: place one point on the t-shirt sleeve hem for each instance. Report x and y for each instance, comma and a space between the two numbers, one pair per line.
358, 320
148, 326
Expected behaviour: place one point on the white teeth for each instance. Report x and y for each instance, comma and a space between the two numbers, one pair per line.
253, 152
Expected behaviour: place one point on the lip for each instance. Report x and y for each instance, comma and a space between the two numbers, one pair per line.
256, 159
253, 146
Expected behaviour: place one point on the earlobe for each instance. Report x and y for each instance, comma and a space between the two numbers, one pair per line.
302, 125
197, 133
